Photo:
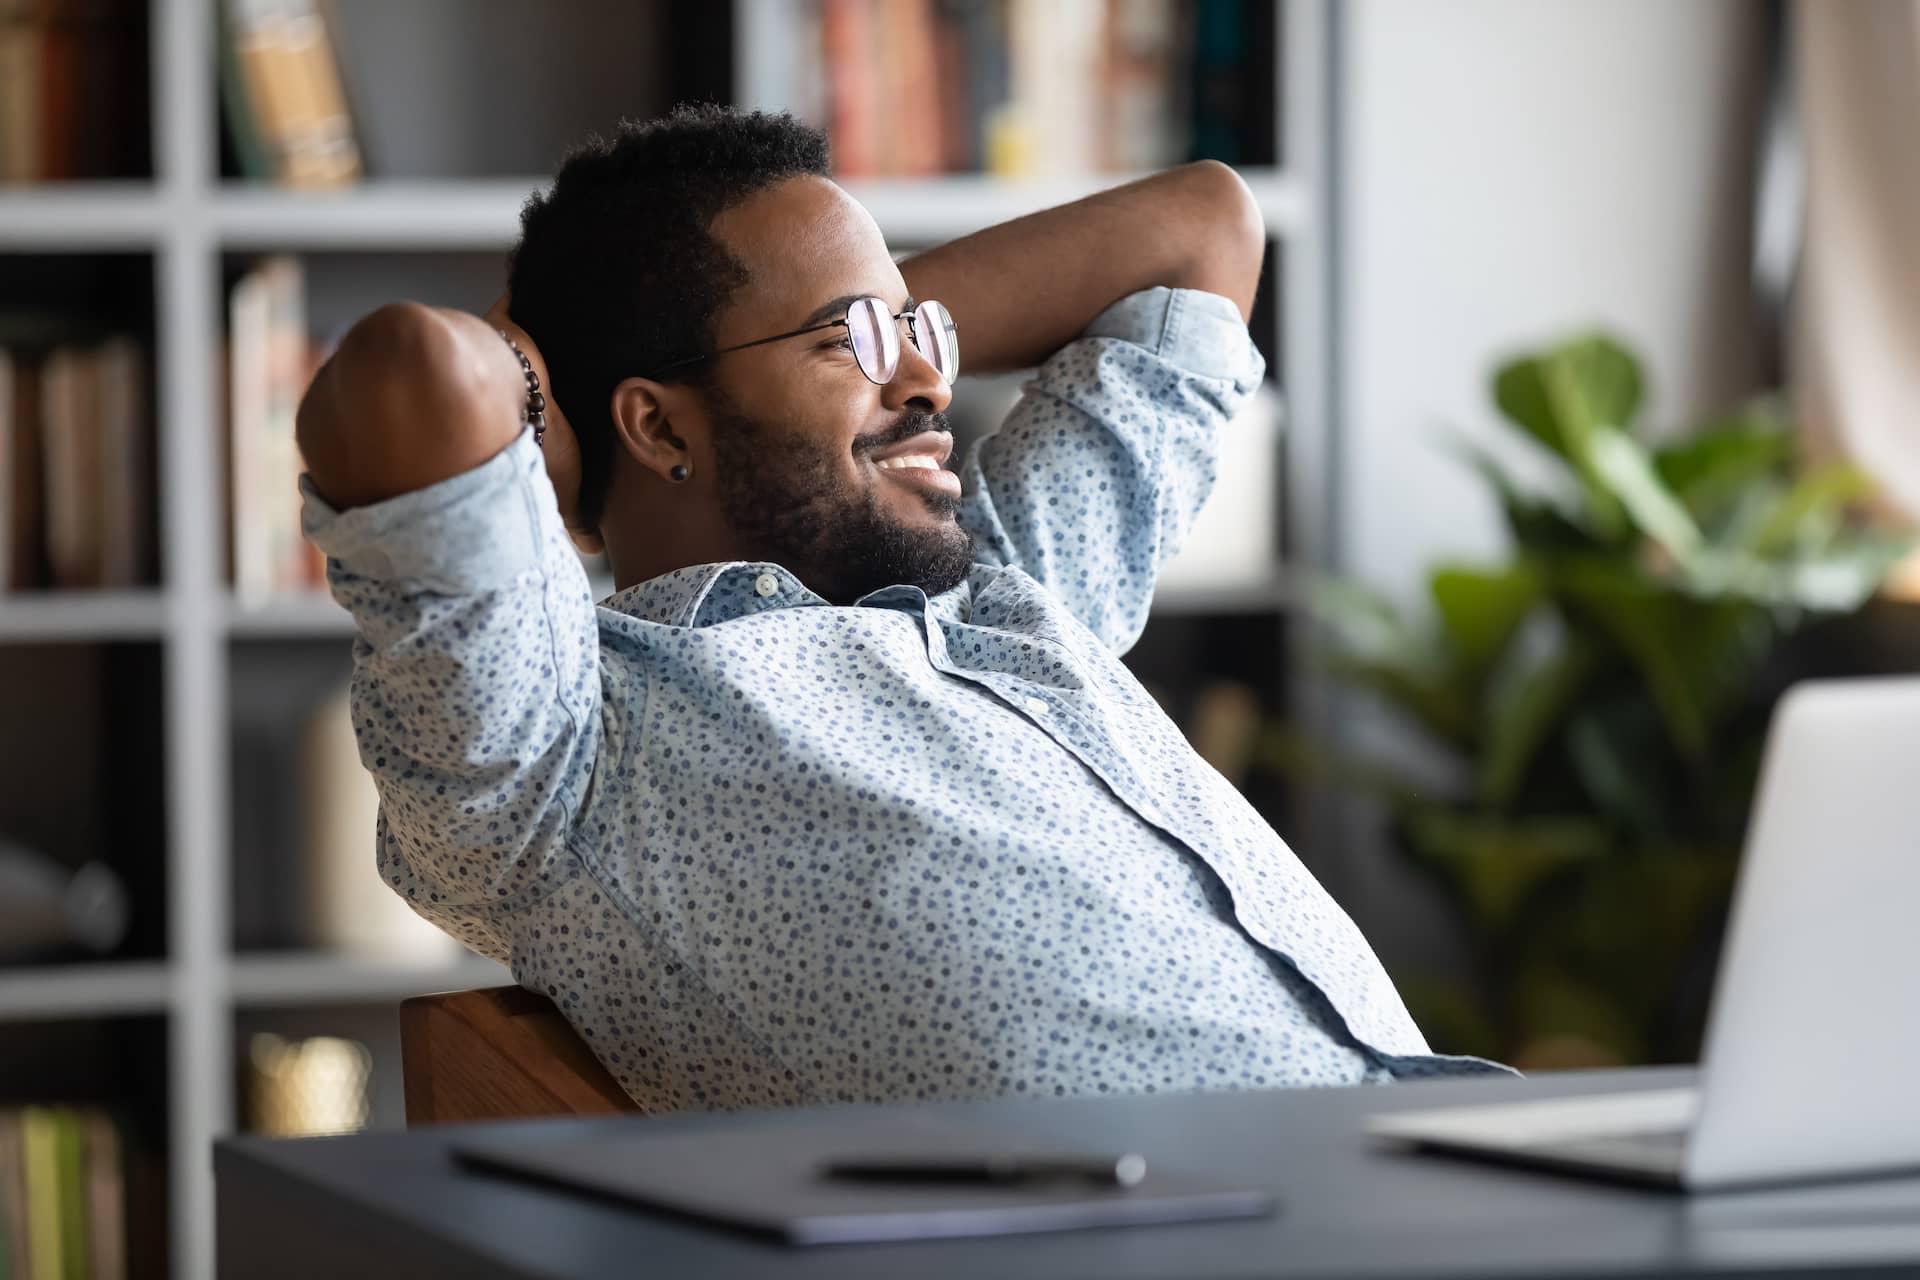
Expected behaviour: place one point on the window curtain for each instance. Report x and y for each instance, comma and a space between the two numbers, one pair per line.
1854, 350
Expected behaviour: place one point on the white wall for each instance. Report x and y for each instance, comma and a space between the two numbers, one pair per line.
1515, 170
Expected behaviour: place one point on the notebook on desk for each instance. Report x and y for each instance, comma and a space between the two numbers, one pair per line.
768, 1178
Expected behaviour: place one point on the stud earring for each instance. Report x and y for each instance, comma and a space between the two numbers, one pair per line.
678, 472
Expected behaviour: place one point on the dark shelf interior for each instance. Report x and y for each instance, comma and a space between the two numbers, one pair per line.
119, 1065
80, 739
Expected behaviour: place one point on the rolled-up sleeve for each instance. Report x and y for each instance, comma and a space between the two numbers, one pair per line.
476, 694
1100, 469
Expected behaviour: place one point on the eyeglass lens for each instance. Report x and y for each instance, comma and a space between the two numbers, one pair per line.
933, 333
876, 339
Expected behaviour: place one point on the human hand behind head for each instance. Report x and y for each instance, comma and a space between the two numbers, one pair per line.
561, 447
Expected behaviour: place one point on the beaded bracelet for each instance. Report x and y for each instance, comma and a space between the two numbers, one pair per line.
534, 412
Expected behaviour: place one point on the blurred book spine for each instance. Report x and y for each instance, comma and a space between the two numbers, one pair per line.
269, 363
1006, 87
285, 107
1223, 70
62, 1194
76, 466
72, 89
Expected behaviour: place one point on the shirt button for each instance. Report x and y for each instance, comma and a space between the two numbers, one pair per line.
766, 584
1038, 706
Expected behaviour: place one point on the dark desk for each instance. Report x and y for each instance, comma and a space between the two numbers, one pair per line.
394, 1205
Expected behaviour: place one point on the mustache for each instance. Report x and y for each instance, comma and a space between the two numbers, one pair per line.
912, 423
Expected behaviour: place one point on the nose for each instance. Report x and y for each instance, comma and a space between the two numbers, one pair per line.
916, 380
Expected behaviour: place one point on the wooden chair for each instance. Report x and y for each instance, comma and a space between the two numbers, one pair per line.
499, 1053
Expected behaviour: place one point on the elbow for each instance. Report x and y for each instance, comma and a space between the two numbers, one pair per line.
1231, 248
412, 395
378, 343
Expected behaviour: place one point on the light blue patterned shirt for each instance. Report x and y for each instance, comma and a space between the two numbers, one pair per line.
763, 850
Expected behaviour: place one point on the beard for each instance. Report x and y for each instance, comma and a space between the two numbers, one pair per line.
787, 496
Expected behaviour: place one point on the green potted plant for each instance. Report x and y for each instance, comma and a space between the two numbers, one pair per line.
1602, 696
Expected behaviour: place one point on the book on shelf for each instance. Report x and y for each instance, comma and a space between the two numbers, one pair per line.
73, 97
269, 364
76, 466
1015, 87
285, 108
62, 1194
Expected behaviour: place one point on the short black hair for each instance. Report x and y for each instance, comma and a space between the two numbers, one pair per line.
616, 273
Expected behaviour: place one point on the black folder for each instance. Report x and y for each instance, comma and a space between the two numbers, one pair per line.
766, 1178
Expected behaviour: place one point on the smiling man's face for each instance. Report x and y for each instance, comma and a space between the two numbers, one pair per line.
817, 468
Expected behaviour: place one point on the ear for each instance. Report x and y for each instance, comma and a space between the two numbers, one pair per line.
642, 412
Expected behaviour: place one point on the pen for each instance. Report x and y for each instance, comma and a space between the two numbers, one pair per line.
1111, 1171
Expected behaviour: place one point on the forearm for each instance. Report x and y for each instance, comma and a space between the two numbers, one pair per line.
413, 396
1023, 289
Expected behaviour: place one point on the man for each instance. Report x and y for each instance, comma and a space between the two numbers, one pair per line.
844, 793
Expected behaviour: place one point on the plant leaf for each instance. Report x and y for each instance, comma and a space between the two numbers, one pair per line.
1617, 756
1523, 713
1285, 749
1496, 864
1557, 396
1837, 580
1429, 695
1366, 623
1539, 524
1629, 474
1710, 468
1693, 653
1560, 1017
1810, 506
1481, 609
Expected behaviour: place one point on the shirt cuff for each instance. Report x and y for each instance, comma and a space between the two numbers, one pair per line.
1199, 332
470, 532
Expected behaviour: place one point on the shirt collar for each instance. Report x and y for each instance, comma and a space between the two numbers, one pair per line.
702, 594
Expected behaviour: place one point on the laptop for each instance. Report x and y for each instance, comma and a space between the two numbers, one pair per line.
1812, 1057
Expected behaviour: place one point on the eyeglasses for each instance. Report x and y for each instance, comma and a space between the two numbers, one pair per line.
875, 334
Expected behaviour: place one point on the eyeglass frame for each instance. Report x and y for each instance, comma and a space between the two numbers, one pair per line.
844, 322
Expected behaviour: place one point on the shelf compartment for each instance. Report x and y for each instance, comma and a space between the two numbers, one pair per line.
81, 738
119, 1065
375, 1028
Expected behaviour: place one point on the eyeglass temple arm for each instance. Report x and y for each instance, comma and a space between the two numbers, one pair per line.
778, 337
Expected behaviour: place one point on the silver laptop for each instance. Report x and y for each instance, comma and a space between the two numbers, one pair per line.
1812, 1060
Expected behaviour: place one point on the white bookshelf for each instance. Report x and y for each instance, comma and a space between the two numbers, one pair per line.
282, 981
189, 220
82, 216
87, 991
83, 616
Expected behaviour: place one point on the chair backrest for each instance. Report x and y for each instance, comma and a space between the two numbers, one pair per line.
499, 1053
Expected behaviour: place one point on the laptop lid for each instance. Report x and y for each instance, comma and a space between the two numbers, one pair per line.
1814, 1036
